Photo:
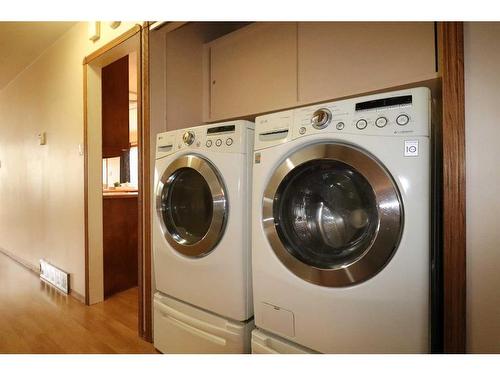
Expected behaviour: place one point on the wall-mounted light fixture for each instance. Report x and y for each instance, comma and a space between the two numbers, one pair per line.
94, 30
114, 24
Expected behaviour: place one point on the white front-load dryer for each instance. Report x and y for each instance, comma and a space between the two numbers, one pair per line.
341, 224
201, 225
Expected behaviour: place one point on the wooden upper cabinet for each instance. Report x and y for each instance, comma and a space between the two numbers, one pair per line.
252, 70
337, 59
115, 108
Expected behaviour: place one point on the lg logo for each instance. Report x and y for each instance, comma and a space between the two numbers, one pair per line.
411, 148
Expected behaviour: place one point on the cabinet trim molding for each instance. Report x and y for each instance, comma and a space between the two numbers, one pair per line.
451, 62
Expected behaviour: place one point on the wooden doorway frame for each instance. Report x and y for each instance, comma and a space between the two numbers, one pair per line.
451, 65
144, 250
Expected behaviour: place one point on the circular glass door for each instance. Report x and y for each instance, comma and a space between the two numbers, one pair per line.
332, 214
192, 205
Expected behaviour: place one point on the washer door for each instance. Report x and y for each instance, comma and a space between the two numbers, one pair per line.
191, 203
332, 214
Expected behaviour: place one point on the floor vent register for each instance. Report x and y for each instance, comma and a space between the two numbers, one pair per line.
54, 276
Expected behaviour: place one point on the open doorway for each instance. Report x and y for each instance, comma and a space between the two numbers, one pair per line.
116, 197
120, 206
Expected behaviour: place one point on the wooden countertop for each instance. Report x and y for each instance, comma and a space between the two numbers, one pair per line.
119, 194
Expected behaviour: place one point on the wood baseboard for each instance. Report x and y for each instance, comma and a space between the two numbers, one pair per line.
29, 266
79, 297
36, 270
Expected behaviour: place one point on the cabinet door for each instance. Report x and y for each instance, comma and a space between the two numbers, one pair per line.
120, 243
115, 108
337, 59
253, 70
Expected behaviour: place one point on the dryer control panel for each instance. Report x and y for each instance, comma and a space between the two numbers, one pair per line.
227, 137
396, 114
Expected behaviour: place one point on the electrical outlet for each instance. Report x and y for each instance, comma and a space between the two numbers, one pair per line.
42, 138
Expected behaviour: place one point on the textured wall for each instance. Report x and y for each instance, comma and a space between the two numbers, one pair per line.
482, 99
41, 187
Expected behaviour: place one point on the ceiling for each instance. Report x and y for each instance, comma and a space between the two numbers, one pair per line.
23, 42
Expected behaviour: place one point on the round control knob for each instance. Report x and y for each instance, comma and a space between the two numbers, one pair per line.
340, 126
361, 124
321, 118
229, 141
188, 137
381, 122
402, 120
218, 143
208, 143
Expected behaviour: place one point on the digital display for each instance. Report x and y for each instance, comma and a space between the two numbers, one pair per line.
221, 129
386, 102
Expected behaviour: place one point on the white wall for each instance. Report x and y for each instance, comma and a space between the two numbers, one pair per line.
41, 187
482, 125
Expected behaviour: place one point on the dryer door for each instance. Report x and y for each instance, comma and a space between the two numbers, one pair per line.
332, 214
191, 203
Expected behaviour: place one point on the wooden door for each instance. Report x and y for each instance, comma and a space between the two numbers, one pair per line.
120, 243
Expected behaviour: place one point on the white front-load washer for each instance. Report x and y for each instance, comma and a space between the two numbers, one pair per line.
341, 224
201, 231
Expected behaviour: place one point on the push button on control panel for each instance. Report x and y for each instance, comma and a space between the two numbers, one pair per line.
361, 124
402, 120
229, 141
340, 126
218, 142
209, 143
302, 130
381, 122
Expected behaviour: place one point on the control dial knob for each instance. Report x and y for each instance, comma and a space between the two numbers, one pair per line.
188, 137
321, 118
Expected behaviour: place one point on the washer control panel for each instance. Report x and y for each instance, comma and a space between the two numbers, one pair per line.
399, 113
386, 115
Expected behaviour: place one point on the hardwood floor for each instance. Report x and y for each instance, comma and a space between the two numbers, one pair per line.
36, 318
